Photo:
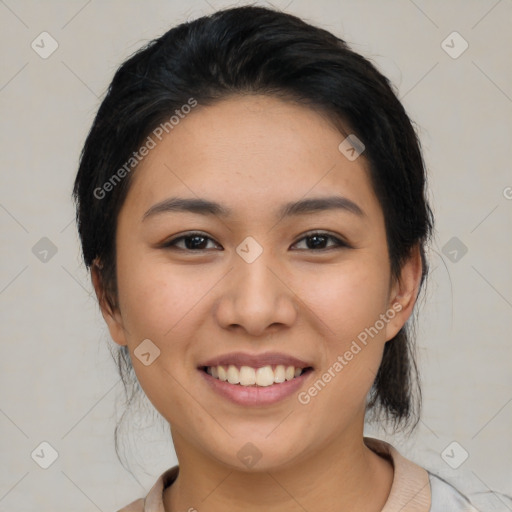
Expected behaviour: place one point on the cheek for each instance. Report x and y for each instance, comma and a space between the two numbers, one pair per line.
347, 298
349, 301
160, 303
156, 296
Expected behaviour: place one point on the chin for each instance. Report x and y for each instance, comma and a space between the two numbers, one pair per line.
256, 453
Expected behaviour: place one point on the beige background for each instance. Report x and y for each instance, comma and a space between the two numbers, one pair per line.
57, 381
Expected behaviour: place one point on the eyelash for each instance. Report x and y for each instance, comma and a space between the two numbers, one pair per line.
339, 244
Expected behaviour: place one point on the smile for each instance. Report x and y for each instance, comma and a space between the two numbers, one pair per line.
255, 379
255, 395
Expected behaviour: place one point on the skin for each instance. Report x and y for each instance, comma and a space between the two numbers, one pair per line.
306, 302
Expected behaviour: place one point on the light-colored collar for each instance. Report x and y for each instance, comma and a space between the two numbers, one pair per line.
410, 491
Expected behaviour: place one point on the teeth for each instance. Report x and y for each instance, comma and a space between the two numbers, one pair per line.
280, 373
233, 374
264, 376
247, 376
222, 373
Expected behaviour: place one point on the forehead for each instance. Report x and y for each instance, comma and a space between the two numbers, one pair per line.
250, 153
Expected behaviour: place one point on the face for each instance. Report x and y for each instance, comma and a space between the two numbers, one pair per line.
256, 284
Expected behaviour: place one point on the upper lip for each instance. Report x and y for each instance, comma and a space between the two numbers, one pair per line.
256, 360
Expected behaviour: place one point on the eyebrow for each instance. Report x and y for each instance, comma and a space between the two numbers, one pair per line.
202, 206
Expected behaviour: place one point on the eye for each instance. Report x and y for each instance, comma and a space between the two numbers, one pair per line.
317, 240
197, 241
192, 242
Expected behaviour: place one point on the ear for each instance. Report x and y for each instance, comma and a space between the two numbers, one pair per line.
111, 315
403, 293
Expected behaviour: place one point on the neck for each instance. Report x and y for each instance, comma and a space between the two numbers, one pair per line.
345, 475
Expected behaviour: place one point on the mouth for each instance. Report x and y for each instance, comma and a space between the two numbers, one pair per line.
262, 376
252, 380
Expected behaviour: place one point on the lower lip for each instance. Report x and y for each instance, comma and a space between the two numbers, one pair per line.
256, 395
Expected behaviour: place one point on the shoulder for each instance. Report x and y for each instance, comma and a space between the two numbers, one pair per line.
446, 498
416, 489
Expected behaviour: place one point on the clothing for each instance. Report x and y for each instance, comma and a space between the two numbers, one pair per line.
414, 489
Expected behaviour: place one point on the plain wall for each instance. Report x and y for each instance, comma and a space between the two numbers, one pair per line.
57, 380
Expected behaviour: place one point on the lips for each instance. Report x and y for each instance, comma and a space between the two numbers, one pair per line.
255, 379
256, 386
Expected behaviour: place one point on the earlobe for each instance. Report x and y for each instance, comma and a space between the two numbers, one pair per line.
112, 316
404, 293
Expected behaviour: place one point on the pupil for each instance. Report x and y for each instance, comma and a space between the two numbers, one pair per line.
191, 242
317, 237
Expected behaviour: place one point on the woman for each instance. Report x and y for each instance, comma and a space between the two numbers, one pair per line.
251, 201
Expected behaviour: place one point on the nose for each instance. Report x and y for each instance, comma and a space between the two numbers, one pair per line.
256, 298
